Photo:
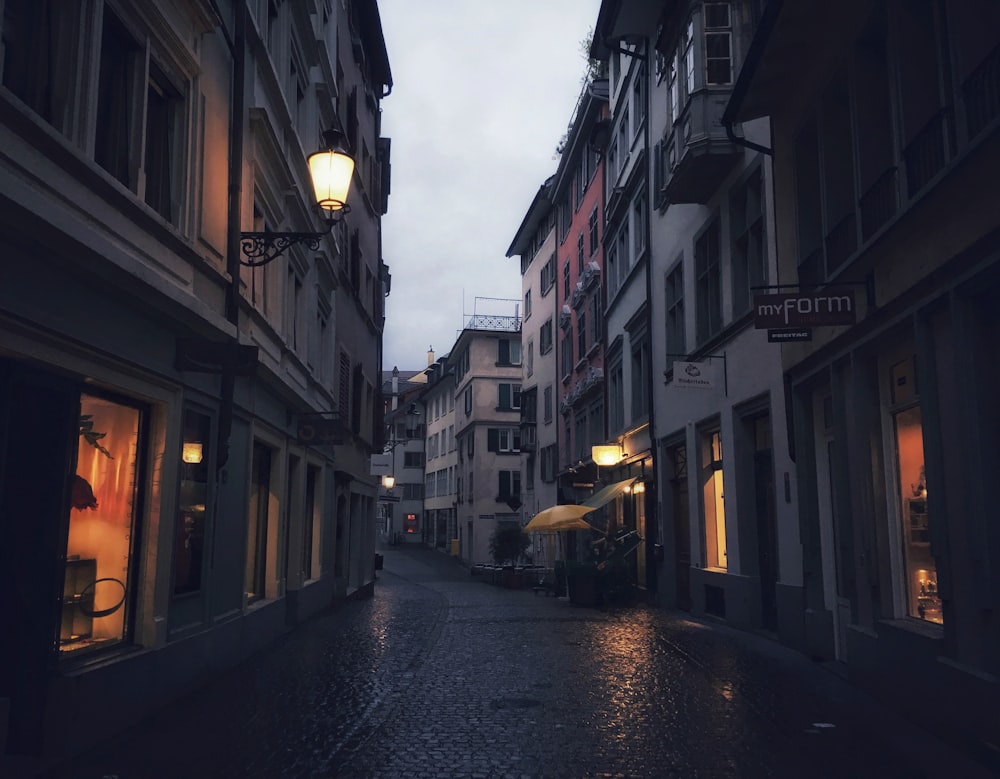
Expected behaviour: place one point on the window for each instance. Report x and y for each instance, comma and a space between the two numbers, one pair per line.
105, 498
468, 400
547, 405
413, 459
413, 491
581, 333
718, 44
508, 351
640, 377
809, 220
616, 396
509, 485
747, 222
673, 90
548, 463
566, 280
592, 231
258, 524
545, 337
510, 396
580, 449
707, 274
687, 49
676, 340
548, 275
567, 354
126, 126
579, 253
596, 320
503, 439
712, 503
529, 366
527, 304
193, 501
639, 223
41, 45
921, 586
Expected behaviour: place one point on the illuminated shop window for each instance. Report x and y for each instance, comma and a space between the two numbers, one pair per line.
921, 586
713, 502
97, 584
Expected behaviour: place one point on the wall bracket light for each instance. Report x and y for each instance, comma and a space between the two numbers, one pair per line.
331, 170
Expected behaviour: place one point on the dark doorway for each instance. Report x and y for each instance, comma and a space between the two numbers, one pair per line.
39, 420
764, 512
677, 461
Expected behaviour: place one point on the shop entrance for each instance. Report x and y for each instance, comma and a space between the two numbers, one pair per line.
677, 462
38, 422
764, 510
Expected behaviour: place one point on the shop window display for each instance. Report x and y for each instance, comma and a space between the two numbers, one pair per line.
923, 599
102, 527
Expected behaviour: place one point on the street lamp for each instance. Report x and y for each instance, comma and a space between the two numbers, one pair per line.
331, 170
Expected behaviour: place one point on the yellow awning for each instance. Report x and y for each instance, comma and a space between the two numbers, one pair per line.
609, 493
561, 517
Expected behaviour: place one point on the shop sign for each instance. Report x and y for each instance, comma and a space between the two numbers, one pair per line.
785, 335
381, 465
799, 310
318, 431
692, 375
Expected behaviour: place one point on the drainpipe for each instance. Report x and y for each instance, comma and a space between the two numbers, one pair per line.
236, 126
650, 557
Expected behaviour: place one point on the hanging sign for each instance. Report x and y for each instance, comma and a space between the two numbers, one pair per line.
316, 431
794, 334
693, 375
381, 465
799, 310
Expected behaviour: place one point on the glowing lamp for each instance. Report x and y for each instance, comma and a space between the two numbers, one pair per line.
388, 482
192, 453
606, 454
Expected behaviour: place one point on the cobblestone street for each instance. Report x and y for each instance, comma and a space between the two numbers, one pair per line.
443, 675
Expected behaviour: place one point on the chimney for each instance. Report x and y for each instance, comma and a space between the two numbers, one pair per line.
430, 356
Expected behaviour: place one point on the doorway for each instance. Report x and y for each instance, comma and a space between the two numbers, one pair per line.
764, 516
677, 463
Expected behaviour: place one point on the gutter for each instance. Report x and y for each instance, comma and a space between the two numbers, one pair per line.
750, 64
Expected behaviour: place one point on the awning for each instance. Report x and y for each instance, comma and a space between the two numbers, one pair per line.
556, 518
608, 494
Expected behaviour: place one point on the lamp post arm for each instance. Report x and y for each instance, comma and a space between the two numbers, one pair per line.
262, 248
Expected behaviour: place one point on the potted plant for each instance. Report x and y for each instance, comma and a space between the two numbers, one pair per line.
507, 544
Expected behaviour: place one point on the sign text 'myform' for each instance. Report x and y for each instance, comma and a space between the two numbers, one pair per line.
798, 309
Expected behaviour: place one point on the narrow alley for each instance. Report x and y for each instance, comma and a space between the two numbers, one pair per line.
440, 674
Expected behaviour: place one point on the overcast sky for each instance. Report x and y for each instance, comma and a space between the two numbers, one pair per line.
483, 92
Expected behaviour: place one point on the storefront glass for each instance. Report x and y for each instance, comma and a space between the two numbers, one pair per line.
921, 573
102, 527
923, 600
713, 503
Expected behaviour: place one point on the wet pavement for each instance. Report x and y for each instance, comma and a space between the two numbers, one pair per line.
443, 675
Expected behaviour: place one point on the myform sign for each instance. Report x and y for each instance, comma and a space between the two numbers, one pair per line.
804, 309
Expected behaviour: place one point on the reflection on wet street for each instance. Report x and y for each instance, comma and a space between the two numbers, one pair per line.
443, 675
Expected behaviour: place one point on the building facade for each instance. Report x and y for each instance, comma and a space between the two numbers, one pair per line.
487, 362
440, 497
629, 420
885, 175
183, 462
535, 244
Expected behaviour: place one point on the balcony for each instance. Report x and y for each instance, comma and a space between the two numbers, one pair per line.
698, 154
565, 317
591, 275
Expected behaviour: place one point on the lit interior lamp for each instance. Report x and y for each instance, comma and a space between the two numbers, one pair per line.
606, 454
388, 482
638, 488
192, 453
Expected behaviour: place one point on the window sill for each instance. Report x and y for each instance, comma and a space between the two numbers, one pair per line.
915, 626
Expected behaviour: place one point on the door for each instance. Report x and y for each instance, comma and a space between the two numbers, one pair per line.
677, 461
764, 510
39, 420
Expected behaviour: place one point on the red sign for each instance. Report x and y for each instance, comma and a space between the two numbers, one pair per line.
804, 309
